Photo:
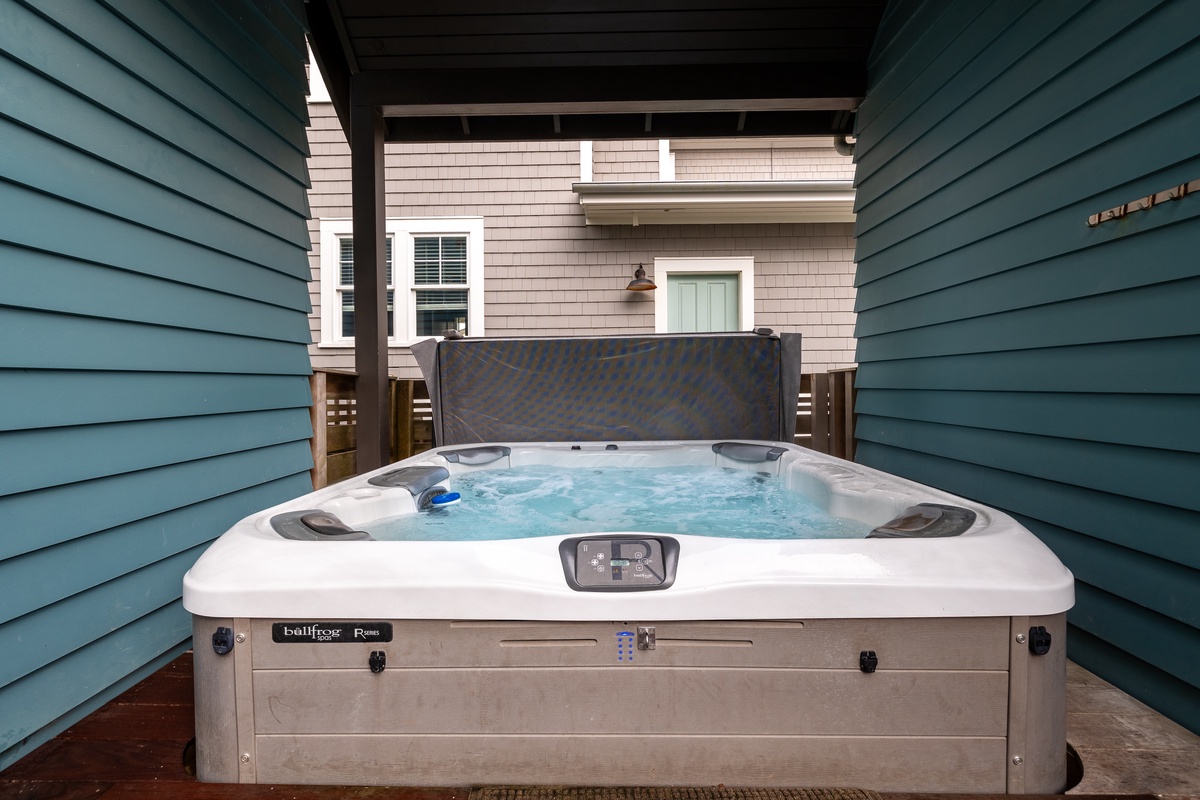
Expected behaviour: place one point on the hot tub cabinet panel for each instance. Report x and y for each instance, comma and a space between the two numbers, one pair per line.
954, 705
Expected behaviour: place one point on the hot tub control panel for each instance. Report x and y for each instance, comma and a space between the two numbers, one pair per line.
619, 563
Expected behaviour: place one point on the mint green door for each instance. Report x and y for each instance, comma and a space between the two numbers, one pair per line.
702, 303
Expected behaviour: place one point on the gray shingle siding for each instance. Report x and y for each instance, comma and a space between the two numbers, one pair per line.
549, 273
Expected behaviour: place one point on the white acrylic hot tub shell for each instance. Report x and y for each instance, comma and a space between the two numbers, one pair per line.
499, 673
995, 569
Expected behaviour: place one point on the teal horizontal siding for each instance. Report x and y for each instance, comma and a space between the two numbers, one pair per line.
1152, 366
95, 237
54, 630
51, 398
1008, 352
84, 180
1163, 591
1017, 80
92, 668
154, 363
1167, 422
156, 121
216, 114
952, 33
1121, 668
1140, 162
163, 26
82, 509
50, 282
1166, 312
38, 103
1147, 537
281, 73
131, 678
1160, 476
56, 341
1170, 646
1163, 531
1013, 274
53, 456
89, 561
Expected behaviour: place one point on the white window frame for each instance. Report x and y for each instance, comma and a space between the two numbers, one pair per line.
743, 266
402, 231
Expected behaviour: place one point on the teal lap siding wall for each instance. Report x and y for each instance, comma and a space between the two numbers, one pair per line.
153, 328
1013, 354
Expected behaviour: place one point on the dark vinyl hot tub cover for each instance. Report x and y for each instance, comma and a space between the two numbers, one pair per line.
612, 388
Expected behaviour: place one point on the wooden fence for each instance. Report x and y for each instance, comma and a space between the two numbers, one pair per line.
825, 415
824, 419
335, 439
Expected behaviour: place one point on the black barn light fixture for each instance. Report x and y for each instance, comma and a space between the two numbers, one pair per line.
640, 282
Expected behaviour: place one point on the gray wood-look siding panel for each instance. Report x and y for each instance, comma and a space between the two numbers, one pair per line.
670, 701
154, 365
1010, 353
911, 644
948, 763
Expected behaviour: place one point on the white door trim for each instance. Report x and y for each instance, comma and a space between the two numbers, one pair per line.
743, 266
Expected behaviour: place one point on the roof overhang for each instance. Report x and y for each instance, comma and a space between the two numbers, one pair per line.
494, 70
715, 202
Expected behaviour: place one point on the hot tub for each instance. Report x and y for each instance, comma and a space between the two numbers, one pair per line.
922, 653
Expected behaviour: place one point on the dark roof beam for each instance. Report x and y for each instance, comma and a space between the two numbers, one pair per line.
733, 87
616, 126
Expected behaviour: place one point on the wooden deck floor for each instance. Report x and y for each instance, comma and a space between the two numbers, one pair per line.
132, 749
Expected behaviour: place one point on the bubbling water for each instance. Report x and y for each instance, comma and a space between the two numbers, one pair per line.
525, 502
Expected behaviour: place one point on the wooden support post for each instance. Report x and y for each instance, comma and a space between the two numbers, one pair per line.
820, 412
370, 285
317, 413
404, 418
841, 412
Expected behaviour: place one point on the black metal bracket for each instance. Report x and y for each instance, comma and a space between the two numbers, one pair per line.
222, 640
1039, 640
868, 661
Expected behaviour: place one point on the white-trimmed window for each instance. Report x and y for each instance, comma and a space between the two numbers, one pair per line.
434, 279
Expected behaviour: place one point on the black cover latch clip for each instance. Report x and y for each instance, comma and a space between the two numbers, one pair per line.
377, 661
1039, 640
868, 661
222, 640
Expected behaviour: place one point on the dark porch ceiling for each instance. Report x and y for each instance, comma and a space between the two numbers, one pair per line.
463, 70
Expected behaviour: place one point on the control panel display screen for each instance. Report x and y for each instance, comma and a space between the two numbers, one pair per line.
619, 563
